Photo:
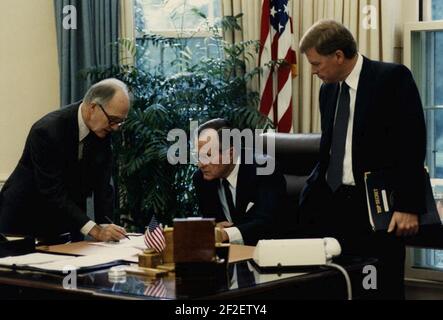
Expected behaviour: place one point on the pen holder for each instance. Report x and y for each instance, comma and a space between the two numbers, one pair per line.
218, 235
222, 252
149, 259
168, 252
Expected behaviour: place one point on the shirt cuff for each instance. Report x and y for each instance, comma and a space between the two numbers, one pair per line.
87, 227
234, 235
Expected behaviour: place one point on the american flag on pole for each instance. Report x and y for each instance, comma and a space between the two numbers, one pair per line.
276, 81
154, 237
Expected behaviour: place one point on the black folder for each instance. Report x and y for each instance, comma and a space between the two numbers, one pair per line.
379, 195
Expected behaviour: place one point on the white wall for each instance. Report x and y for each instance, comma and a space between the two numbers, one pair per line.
29, 78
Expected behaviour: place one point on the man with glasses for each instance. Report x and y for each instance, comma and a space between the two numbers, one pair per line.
62, 181
247, 206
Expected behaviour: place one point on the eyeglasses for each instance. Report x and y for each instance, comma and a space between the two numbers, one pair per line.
112, 120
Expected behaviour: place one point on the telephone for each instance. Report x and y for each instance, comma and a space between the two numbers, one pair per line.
296, 252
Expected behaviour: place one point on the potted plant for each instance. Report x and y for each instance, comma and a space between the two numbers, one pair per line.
213, 87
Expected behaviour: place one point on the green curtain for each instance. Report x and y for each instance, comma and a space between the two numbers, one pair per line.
92, 44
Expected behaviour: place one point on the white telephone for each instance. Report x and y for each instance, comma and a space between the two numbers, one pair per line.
296, 252
300, 252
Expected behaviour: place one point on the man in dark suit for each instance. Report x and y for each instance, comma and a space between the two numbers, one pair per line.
372, 120
246, 205
67, 159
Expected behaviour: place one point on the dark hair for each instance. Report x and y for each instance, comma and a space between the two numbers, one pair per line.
218, 125
328, 36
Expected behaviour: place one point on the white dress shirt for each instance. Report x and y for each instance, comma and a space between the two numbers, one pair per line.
234, 233
83, 131
352, 81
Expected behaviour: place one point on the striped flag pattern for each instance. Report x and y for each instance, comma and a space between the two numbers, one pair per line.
276, 81
154, 237
156, 289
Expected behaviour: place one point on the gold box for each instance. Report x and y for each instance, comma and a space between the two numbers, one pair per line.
168, 253
149, 260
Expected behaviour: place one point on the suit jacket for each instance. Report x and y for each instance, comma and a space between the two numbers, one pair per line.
46, 193
389, 134
267, 193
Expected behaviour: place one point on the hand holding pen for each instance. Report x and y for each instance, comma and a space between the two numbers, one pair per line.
119, 229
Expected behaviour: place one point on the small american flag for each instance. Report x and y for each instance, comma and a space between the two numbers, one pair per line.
154, 237
156, 289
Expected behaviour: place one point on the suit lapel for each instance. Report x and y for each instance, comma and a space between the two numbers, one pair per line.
243, 185
214, 200
363, 100
72, 131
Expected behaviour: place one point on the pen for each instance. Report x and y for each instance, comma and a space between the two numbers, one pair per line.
110, 221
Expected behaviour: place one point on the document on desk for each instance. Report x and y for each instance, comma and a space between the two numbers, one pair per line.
76, 263
122, 253
33, 258
119, 251
132, 242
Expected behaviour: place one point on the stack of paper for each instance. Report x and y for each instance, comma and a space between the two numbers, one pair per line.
133, 242
75, 263
33, 258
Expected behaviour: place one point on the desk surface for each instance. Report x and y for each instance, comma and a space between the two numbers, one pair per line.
236, 253
239, 279
242, 280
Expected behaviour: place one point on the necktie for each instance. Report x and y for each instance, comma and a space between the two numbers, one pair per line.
245, 277
228, 195
335, 169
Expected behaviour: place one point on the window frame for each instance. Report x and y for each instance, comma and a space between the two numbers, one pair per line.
426, 6
412, 273
436, 25
184, 33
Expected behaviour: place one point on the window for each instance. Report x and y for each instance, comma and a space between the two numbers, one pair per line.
177, 20
437, 10
175, 16
427, 67
432, 10
423, 47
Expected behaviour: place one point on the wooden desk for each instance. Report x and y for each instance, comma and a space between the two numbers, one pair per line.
240, 281
236, 252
